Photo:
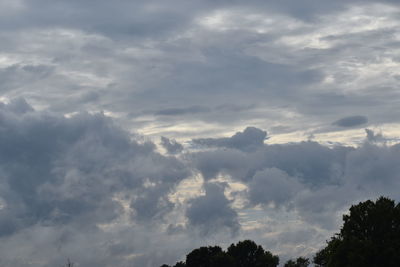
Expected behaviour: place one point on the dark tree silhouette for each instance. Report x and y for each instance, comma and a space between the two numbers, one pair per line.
178, 264
208, 257
370, 236
249, 254
243, 254
300, 262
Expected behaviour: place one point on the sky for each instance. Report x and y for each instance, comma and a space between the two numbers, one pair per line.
132, 132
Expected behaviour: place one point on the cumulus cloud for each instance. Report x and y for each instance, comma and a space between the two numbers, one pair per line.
82, 177
311, 179
312, 163
79, 172
273, 186
250, 139
211, 212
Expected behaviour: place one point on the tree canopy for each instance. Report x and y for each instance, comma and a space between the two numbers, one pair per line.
249, 254
300, 262
243, 254
370, 236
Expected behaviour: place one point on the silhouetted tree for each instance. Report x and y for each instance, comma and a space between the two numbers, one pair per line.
370, 236
208, 257
243, 254
249, 254
300, 262
180, 264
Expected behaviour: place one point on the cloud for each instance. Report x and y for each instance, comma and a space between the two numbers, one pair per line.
372, 137
250, 139
172, 146
273, 186
182, 111
18, 75
190, 70
77, 173
311, 162
17, 106
307, 178
211, 212
351, 121
82, 183
151, 57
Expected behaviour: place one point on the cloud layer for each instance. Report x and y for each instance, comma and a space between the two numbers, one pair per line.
133, 132
290, 67
81, 183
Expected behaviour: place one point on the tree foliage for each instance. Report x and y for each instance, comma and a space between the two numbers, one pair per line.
208, 257
249, 254
300, 262
243, 254
370, 236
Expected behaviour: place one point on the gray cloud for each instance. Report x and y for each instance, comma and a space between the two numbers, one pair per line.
316, 181
351, 121
273, 186
374, 137
250, 139
211, 212
172, 146
77, 178
131, 58
84, 182
182, 111
76, 172
311, 162
15, 76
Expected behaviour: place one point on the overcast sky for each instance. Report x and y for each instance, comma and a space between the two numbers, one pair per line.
132, 132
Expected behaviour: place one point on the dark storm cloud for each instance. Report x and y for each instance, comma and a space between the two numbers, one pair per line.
351, 121
211, 212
